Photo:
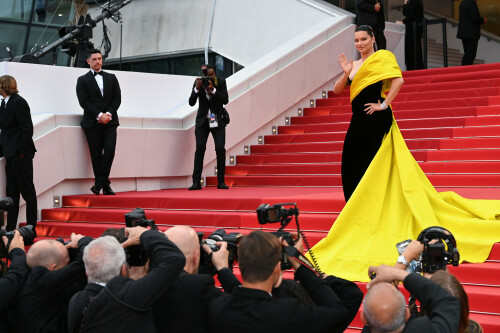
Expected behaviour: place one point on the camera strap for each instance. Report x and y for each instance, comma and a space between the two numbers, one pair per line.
293, 252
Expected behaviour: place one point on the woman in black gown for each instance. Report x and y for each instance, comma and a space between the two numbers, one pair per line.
371, 114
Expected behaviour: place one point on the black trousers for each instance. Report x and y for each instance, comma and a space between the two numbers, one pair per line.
380, 39
470, 50
102, 142
19, 174
219, 134
413, 48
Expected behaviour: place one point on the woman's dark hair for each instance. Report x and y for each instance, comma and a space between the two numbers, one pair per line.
366, 28
455, 288
293, 289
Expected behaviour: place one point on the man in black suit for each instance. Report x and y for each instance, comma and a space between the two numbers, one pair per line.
183, 308
251, 308
469, 29
16, 145
12, 280
371, 13
99, 95
384, 308
43, 302
212, 97
413, 10
112, 302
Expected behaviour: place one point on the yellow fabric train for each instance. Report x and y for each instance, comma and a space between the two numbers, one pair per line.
395, 201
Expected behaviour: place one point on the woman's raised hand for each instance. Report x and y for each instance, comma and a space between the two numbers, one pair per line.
345, 64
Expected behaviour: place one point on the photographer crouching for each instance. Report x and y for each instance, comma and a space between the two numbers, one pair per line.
112, 302
183, 307
251, 308
13, 278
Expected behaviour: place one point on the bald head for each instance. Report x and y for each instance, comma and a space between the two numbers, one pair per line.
188, 242
47, 253
384, 308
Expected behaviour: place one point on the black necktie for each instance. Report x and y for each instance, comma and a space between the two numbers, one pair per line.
98, 73
2, 106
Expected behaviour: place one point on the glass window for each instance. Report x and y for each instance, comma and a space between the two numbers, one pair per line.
12, 36
187, 65
53, 12
18, 10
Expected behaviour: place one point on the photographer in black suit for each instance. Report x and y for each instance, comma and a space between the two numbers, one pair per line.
211, 92
183, 308
13, 278
16, 145
251, 308
112, 302
384, 308
99, 95
42, 305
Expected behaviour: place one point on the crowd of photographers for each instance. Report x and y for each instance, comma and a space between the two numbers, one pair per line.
137, 279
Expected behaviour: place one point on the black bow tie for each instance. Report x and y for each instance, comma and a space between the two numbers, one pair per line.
98, 73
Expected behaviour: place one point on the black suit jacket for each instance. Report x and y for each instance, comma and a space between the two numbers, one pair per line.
215, 104
124, 305
366, 14
11, 284
444, 309
469, 21
253, 310
413, 11
16, 127
93, 102
43, 303
183, 308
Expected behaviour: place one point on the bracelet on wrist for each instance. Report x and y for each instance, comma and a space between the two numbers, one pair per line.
383, 106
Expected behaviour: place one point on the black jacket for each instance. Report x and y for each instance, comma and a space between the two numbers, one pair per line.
93, 102
43, 303
124, 305
253, 310
366, 14
444, 309
11, 283
413, 12
215, 104
16, 128
469, 20
183, 308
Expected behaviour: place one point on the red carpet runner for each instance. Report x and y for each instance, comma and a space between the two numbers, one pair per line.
450, 119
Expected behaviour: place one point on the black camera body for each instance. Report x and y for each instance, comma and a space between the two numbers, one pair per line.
276, 213
205, 82
232, 239
137, 218
444, 252
27, 232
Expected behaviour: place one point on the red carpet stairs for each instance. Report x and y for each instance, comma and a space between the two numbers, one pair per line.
450, 119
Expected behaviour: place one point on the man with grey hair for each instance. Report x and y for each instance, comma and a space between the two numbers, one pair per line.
385, 311
54, 278
112, 302
183, 307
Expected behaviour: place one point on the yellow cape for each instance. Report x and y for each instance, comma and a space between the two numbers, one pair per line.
395, 201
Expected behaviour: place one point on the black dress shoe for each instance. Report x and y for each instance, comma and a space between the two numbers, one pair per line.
222, 186
195, 186
108, 191
95, 189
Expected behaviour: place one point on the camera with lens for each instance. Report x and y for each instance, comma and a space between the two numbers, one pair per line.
232, 239
27, 232
136, 254
137, 218
276, 213
436, 255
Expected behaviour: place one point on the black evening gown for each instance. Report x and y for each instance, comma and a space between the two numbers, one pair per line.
364, 137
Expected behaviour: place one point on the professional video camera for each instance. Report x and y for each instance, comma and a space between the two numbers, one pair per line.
232, 239
278, 213
436, 255
137, 218
137, 254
